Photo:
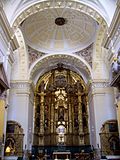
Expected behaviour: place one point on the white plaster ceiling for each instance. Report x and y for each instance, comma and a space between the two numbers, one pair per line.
43, 34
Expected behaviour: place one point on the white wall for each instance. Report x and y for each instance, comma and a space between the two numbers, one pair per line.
104, 109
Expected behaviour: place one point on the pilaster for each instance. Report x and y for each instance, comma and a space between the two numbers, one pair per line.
101, 108
20, 109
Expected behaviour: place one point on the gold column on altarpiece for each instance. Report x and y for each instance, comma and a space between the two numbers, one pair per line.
52, 118
81, 136
70, 118
42, 94
41, 142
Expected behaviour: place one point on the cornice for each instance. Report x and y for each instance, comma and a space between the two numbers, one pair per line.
113, 27
8, 30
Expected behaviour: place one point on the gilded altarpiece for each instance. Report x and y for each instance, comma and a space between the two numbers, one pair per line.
61, 115
14, 139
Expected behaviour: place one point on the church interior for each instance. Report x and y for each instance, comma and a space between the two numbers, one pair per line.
59, 79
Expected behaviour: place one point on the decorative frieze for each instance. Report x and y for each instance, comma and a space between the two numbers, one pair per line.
23, 88
99, 87
20, 85
100, 84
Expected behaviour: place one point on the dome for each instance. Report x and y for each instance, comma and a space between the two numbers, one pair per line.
59, 30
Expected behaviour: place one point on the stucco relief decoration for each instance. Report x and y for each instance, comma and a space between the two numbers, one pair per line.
33, 55
86, 54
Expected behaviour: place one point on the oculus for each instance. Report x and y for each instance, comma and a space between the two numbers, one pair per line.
60, 21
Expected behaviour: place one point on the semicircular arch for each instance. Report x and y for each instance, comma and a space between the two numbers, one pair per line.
70, 61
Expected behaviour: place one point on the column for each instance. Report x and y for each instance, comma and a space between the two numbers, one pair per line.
70, 118
80, 118
41, 142
42, 112
52, 121
52, 113
52, 118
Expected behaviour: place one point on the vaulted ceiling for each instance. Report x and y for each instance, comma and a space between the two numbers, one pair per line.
59, 31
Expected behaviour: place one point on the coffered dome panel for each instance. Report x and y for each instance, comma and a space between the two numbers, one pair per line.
59, 30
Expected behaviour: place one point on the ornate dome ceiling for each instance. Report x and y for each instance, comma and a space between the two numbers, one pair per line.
59, 30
